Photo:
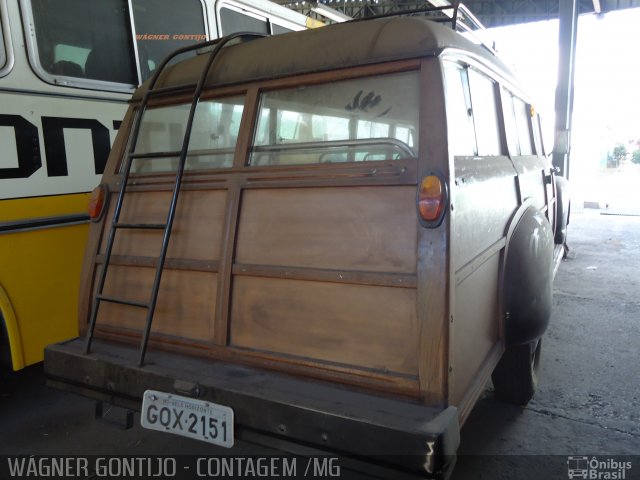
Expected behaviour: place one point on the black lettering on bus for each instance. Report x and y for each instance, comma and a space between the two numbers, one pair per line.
27, 145
52, 131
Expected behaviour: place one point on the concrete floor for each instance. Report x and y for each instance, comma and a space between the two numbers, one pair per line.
588, 403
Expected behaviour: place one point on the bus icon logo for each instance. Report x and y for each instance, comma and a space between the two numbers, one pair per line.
578, 467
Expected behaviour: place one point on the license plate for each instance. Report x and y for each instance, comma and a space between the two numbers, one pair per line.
188, 417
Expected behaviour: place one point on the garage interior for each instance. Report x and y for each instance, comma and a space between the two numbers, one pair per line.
588, 398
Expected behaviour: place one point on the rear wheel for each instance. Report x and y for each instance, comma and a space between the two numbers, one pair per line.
515, 378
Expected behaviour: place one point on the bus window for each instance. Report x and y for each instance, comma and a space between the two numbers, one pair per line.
372, 119
3, 51
163, 26
101, 47
6, 48
232, 21
96, 48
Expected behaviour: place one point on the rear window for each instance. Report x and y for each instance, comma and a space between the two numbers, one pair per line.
213, 136
370, 119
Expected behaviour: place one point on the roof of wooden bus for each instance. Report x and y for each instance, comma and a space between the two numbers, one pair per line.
327, 48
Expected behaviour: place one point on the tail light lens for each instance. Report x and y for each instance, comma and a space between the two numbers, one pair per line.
431, 200
97, 202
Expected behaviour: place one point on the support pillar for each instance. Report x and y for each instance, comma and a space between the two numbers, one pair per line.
568, 15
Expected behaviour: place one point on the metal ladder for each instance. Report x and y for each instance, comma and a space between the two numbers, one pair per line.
216, 46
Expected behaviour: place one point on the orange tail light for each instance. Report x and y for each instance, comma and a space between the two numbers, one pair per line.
431, 200
97, 202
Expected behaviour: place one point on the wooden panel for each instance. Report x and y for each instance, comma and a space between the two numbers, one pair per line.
361, 326
433, 303
336, 276
356, 228
476, 324
197, 228
185, 308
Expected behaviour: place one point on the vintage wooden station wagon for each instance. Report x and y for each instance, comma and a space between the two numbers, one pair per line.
329, 238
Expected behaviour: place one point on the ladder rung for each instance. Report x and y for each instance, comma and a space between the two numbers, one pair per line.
152, 155
122, 302
174, 88
141, 226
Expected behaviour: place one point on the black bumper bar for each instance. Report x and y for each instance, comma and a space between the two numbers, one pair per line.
328, 417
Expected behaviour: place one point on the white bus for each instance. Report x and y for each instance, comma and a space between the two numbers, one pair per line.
67, 70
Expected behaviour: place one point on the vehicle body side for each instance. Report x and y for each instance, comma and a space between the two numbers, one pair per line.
321, 273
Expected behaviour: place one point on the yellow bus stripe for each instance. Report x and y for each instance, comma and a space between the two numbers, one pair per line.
24, 209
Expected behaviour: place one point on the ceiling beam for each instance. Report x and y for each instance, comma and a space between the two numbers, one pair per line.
490, 12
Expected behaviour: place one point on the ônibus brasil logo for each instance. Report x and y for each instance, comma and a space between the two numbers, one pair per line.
593, 468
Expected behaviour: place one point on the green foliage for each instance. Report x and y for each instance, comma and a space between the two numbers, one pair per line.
618, 156
635, 157
620, 152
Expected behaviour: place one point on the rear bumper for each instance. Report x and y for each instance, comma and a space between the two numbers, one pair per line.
330, 418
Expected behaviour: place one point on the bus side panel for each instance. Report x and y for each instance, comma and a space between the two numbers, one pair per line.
53, 152
54, 145
40, 271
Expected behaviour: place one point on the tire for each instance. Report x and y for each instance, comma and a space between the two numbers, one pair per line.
515, 378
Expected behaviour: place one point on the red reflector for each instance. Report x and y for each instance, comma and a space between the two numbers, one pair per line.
431, 198
96, 202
